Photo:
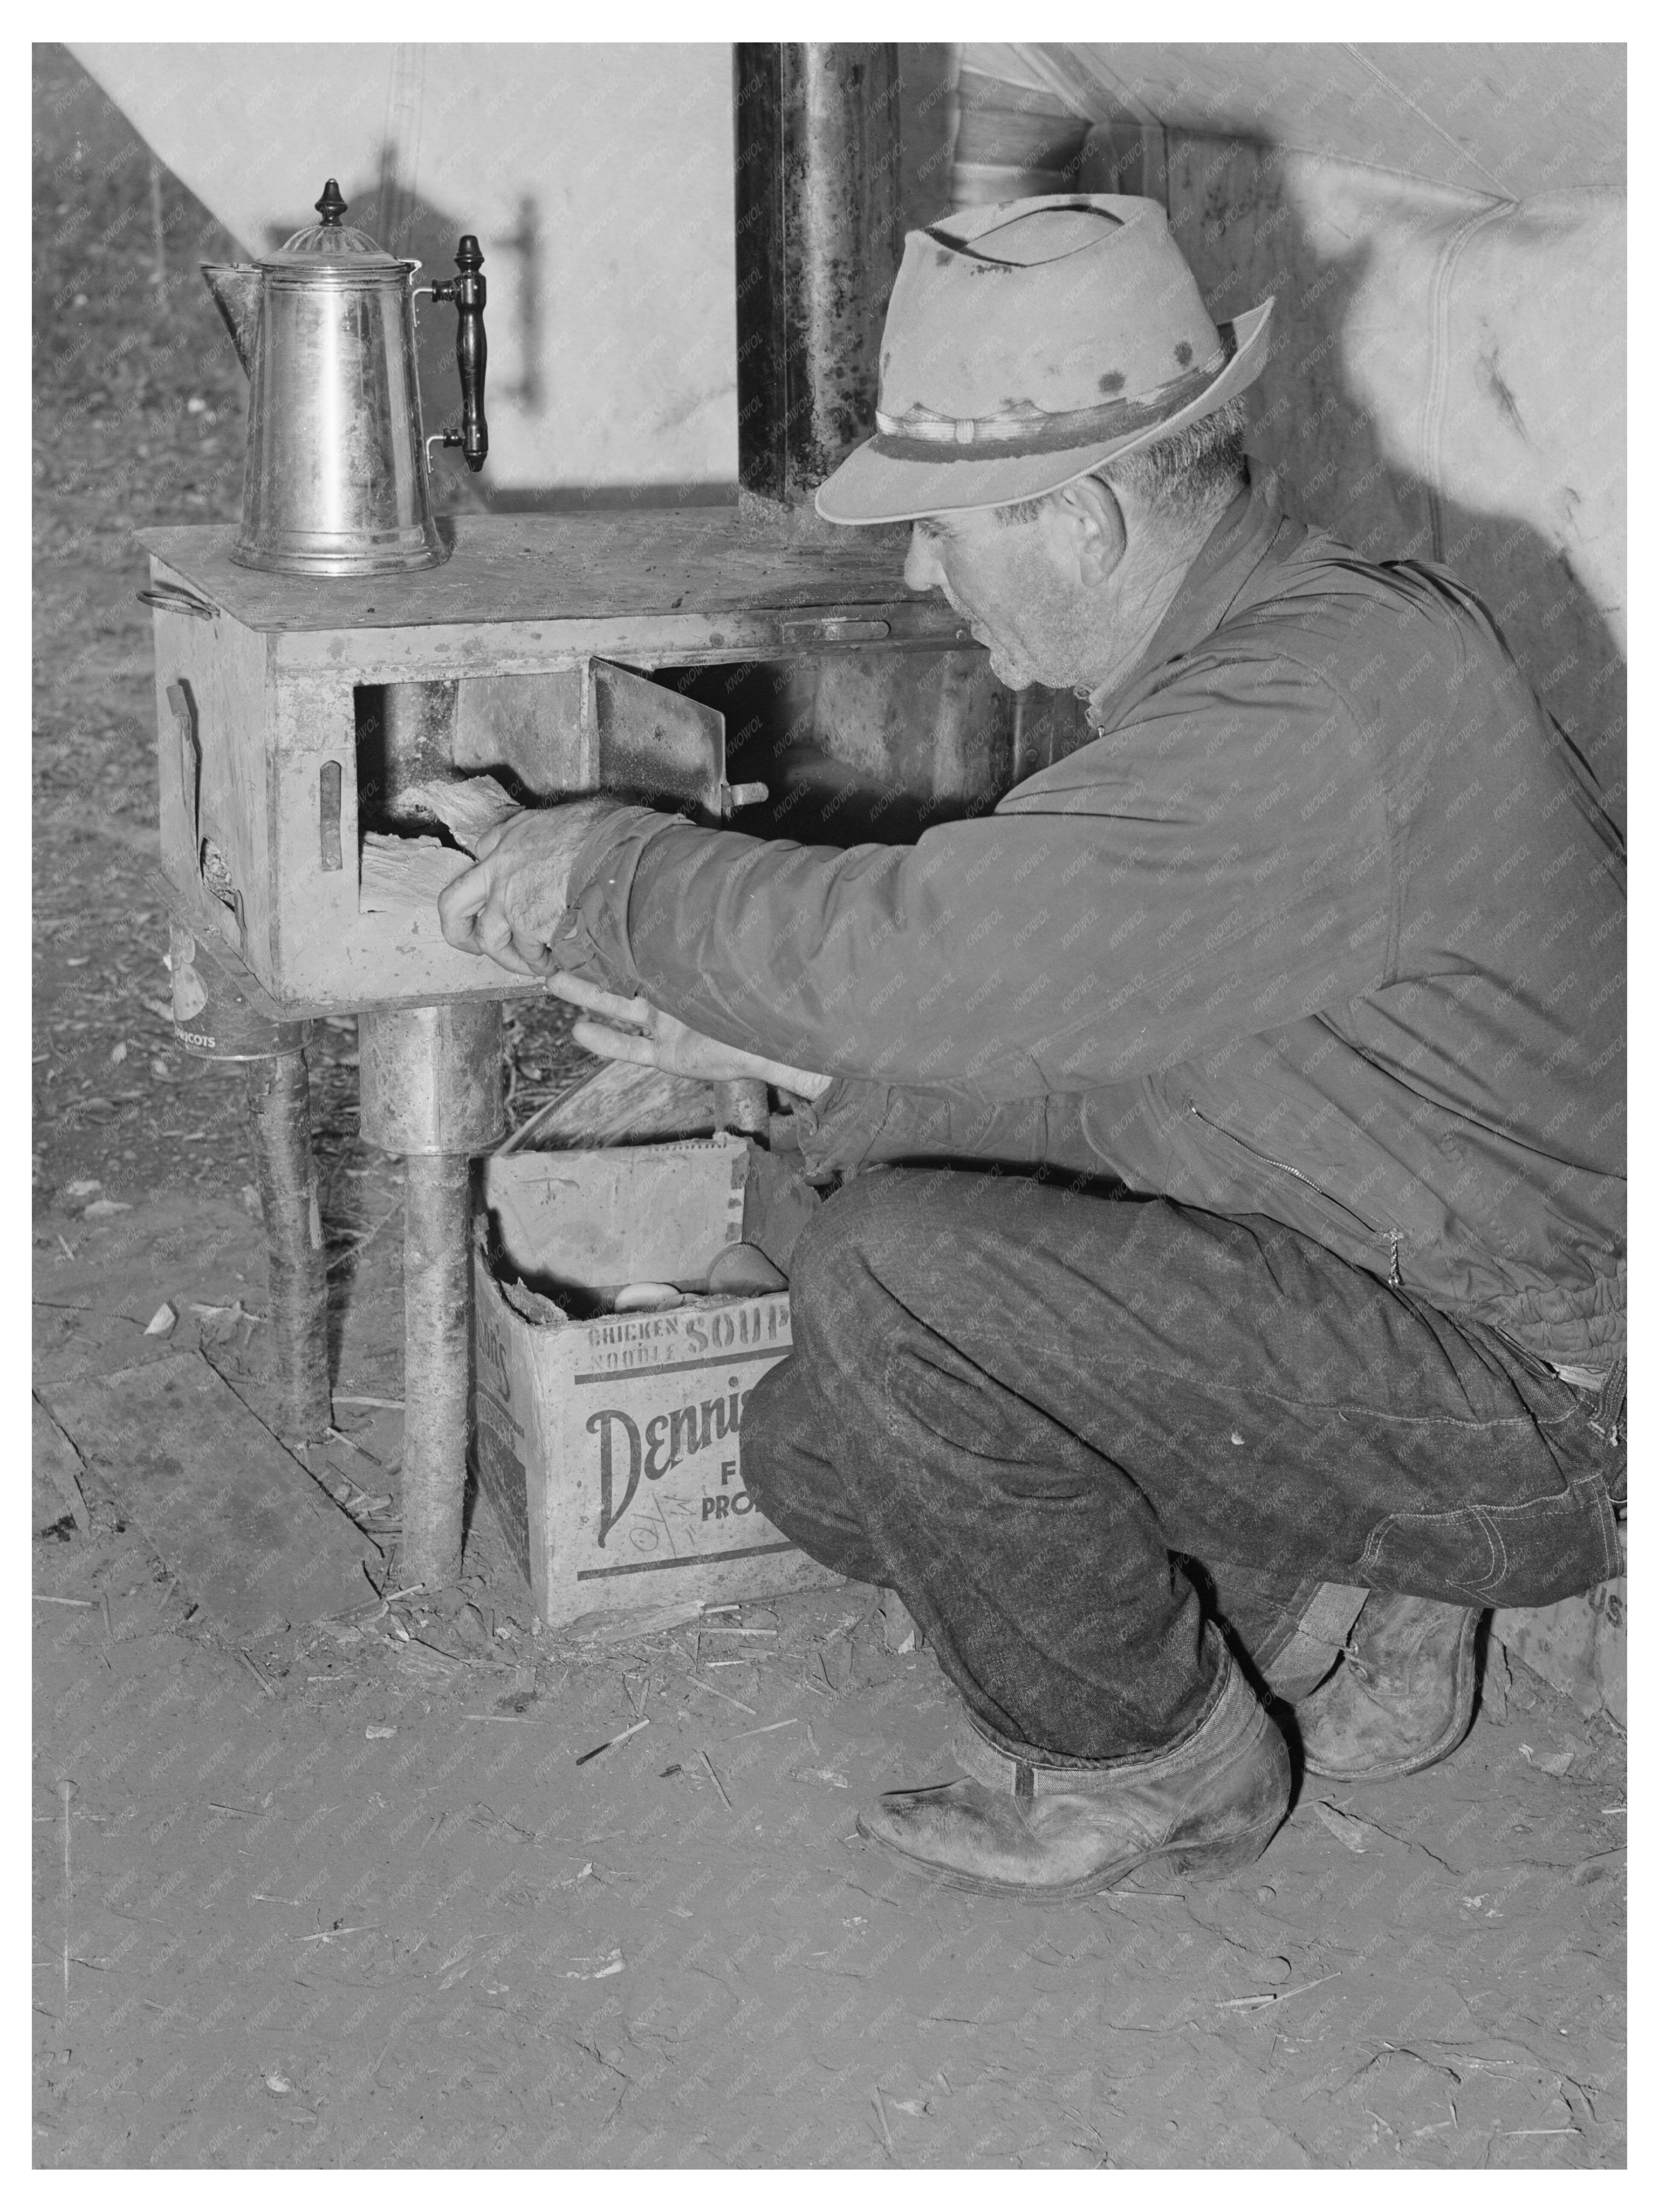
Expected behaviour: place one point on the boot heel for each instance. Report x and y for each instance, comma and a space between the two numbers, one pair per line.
1216, 1861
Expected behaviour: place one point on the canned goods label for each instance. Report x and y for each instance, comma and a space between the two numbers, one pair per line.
189, 992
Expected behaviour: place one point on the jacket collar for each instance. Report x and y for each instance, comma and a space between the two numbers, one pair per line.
1212, 588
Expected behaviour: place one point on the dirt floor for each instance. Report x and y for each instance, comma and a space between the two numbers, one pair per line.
346, 1894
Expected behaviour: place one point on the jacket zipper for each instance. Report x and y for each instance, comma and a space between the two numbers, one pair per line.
1318, 1189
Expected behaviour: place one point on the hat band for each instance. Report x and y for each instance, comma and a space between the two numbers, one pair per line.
945, 438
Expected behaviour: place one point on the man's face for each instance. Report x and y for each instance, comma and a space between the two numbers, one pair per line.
1020, 601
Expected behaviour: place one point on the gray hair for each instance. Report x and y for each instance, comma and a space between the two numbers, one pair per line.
1196, 469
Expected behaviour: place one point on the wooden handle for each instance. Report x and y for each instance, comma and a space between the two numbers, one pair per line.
468, 291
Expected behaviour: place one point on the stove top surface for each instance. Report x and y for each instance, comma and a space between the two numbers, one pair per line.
564, 567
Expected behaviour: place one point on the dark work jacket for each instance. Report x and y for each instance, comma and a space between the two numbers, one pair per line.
1326, 922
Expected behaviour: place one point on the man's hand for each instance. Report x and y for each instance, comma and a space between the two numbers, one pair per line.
511, 901
633, 1029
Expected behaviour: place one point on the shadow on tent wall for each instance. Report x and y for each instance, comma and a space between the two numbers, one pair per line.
404, 223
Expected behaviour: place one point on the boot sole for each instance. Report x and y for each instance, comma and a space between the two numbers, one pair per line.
1208, 1862
1461, 1721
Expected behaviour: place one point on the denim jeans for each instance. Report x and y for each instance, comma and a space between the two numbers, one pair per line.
1028, 1407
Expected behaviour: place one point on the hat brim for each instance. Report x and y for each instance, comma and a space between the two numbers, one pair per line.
871, 486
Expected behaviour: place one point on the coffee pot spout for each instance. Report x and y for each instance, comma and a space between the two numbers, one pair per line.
236, 289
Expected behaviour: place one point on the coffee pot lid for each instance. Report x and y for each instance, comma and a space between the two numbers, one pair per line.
331, 242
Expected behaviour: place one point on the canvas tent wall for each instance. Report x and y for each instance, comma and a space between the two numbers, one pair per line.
1443, 229
597, 178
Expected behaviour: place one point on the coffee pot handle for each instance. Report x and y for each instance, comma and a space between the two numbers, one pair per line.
472, 352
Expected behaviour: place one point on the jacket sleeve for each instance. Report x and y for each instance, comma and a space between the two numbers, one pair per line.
1219, 864
859, 1124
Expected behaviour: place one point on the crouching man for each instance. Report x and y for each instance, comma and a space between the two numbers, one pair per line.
1302, 1309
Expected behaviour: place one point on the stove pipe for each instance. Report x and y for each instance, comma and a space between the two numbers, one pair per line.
818, 242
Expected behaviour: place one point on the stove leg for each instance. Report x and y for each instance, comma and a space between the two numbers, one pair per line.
437, 1357
430, 1083
214, 1017
742, 1106
279, 1115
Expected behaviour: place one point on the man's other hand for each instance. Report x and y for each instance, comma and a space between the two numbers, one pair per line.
616, 1028
511, 901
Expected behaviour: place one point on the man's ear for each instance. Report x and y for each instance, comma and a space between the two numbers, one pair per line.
1091, 527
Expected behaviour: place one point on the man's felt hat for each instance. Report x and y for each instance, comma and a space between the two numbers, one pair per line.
1028, 342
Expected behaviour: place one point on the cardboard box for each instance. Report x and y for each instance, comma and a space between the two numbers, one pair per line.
611, 1446
589, 1222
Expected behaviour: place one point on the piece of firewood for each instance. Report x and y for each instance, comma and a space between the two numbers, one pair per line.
404, 875
620, 1099
466, 806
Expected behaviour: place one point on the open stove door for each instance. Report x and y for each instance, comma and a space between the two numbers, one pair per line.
598, 727
653, 743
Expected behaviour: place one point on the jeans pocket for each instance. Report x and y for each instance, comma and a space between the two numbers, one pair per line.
1458, 1555
1531, 1554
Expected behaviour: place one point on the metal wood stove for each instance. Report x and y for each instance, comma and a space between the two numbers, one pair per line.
293, 715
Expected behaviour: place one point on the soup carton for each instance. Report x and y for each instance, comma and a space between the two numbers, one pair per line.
610, 1445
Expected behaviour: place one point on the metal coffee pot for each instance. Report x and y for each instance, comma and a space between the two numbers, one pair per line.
336, 479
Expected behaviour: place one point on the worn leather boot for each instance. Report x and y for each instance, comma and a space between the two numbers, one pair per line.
1403, 1696
1302, 1660
1205, 1807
